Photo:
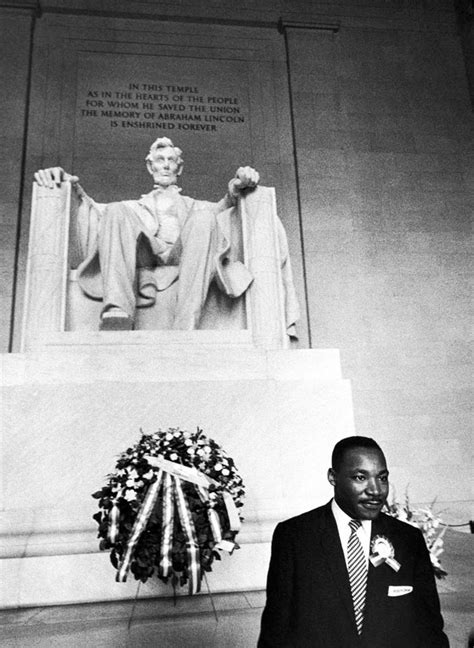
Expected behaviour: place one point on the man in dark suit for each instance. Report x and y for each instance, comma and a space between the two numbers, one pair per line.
346, 575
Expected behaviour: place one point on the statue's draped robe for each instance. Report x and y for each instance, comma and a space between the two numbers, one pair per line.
227, 270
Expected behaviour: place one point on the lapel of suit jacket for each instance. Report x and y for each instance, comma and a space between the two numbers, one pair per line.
376, 597
331, 545
148, 202
184, 205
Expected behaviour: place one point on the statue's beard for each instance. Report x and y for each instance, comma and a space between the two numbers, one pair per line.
165, 180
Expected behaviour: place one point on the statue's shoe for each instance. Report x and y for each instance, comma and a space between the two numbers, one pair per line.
115, 319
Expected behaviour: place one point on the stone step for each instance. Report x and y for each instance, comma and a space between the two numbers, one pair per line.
165, 360
160, 338
189, 622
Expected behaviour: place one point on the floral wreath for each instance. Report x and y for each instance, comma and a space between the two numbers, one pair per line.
169, 508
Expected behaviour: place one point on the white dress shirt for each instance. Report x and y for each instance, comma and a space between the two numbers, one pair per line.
344, 530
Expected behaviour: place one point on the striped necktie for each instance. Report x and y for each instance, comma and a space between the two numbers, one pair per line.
357, 567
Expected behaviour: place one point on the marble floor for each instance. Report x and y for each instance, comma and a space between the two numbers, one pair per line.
223, 620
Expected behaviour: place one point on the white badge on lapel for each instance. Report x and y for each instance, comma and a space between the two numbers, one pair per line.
382, 551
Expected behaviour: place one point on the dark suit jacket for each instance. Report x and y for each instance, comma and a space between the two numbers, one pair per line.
309, 603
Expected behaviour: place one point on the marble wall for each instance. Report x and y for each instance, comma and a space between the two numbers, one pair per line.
377, 208
383, 127
15, 32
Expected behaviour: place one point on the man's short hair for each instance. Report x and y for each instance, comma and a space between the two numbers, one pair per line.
164, 142
349, 443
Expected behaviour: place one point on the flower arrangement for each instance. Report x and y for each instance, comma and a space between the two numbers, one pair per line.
430, 525
170, 506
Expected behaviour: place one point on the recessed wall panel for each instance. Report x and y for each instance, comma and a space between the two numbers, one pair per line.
100, 97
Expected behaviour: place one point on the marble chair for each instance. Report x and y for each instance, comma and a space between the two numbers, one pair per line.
55, 306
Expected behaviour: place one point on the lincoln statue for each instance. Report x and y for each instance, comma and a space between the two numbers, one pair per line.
126, 242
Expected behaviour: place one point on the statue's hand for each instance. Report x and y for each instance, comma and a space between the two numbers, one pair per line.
53, 176
245, 178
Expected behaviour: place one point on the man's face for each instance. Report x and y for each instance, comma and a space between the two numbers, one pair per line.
164, 167
361, 483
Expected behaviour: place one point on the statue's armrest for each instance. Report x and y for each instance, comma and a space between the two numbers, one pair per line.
47, 263
68, 208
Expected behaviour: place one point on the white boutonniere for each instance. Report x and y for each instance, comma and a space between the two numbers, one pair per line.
382, 551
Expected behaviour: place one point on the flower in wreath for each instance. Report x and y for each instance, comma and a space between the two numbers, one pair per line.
429, 523
170, 507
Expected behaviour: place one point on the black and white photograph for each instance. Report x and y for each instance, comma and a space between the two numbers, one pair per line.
236, 324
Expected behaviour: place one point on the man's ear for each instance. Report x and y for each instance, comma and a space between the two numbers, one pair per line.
180, 170
331, 477
148, 166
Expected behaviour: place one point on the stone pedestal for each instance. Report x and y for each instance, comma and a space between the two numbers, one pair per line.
71, 408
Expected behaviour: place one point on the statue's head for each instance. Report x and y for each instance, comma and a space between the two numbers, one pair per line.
164, 162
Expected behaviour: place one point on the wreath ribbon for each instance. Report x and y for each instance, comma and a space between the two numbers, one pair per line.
114, 518
166, 548
202, 483
140, 524
192, 546
170, 476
